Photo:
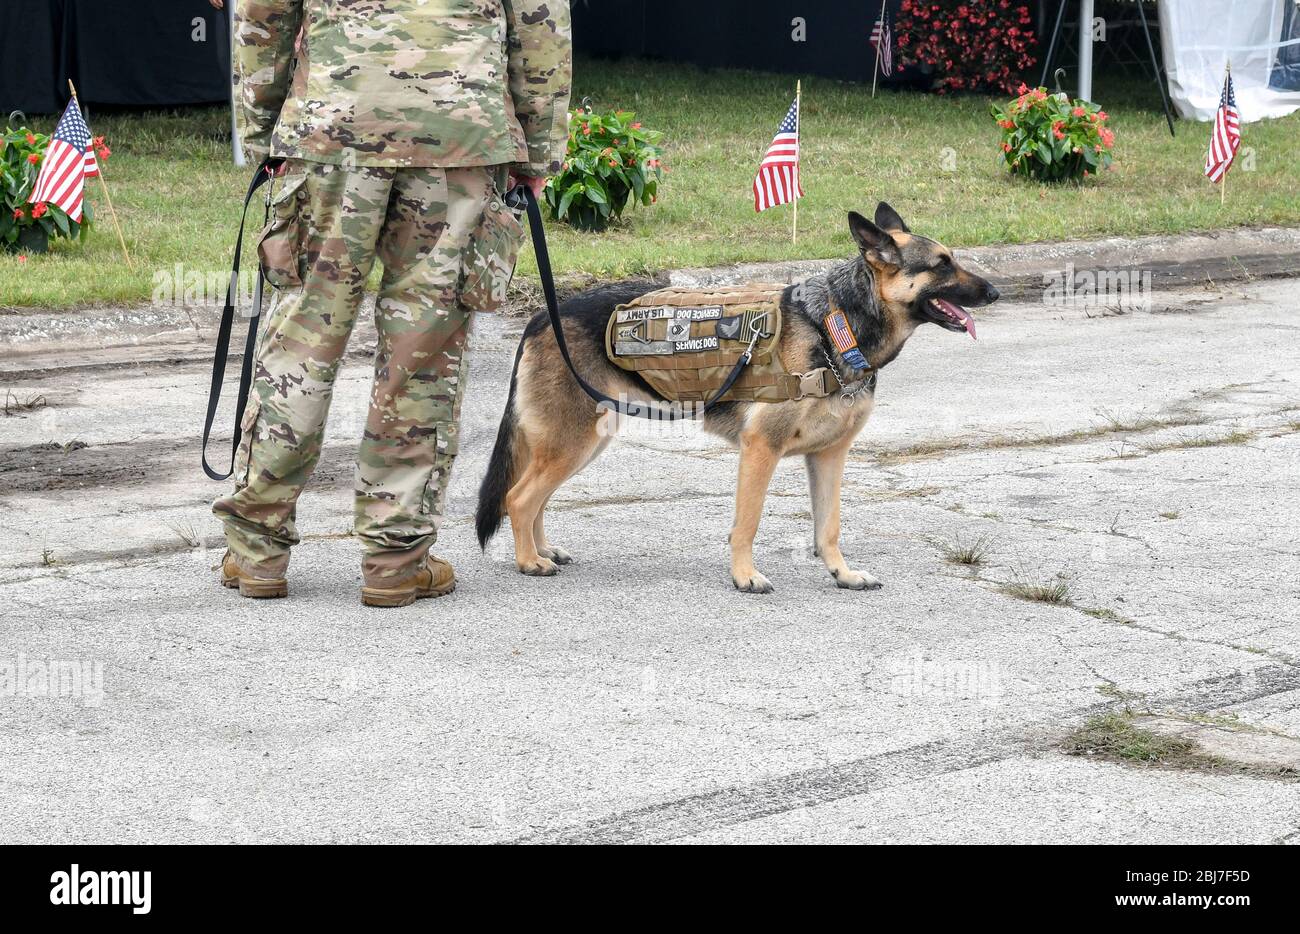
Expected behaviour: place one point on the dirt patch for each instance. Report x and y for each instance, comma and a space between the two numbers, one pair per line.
74, 465
71, 465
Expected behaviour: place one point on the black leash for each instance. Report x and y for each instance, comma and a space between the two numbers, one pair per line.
519, 196
265, 173
656, 410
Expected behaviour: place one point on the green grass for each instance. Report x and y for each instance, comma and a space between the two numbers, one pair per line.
178, 195
1120, 737
1115, 736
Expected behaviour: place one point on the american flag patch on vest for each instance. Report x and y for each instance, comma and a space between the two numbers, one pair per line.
837, 326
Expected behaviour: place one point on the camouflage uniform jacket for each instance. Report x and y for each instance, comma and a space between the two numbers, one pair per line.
405, 82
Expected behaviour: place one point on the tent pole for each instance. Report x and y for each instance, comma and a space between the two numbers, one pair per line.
236, 148
1051, 47
1085, 49
1157, 68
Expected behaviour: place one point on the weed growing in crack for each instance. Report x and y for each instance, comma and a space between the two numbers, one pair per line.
13, 405
970, 552
1200, 441
186, 533
1055, 592
1107, 614
1116, 736
1119, 737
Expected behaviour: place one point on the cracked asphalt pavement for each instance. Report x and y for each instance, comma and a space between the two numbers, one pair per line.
1143, 465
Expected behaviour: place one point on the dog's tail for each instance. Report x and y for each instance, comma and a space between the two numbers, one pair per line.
501, 472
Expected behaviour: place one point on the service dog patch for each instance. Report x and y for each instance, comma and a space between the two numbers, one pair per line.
696, 344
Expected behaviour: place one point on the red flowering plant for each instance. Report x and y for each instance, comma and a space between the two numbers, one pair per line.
25, 226
1051, 138
968, 45
611, 159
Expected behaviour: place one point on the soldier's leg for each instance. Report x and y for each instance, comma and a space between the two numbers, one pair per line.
318, 253
412, 432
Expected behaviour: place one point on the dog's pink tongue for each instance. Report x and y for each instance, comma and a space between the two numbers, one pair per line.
958, 313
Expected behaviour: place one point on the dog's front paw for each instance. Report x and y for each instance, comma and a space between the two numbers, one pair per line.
855, 580
542, 567
556, 554
752, 582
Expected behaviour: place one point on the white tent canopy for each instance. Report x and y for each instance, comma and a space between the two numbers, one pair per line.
1199, 37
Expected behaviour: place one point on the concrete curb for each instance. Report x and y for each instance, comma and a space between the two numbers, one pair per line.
36, 340
1023, 271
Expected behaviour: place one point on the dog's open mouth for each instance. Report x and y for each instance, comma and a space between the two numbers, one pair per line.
952, 316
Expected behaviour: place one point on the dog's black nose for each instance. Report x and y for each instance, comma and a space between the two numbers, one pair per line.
992, 293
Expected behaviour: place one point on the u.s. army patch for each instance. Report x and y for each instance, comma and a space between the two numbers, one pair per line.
695, 313
645, 314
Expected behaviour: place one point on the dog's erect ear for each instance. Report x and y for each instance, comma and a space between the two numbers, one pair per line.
887, 218
877, 246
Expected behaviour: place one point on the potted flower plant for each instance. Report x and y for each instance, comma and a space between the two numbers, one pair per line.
26, 227
611, 159
1051, 138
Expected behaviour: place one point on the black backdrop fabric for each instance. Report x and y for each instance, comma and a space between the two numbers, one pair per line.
31, 56
148, 53
753, 34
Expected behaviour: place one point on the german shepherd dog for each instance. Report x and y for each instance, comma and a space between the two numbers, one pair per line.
551, 429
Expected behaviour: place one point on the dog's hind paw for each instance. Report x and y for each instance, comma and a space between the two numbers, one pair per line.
752, 582
542, 567
855, 580
556, 554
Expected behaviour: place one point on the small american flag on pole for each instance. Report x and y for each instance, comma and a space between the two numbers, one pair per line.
1226, 135
69, 161
777, 181
883, 42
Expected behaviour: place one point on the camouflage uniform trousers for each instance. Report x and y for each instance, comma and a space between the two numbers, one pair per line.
330, 223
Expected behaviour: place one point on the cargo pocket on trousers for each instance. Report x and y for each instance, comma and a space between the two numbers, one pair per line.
446, 446
488, 262
247, 431
280, 245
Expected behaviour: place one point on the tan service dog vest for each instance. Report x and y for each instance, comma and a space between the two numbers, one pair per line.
685, 342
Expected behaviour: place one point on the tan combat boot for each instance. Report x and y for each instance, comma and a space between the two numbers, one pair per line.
435, 578
259, 583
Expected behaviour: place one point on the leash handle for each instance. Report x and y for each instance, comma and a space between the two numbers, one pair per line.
522, 193
265, 173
